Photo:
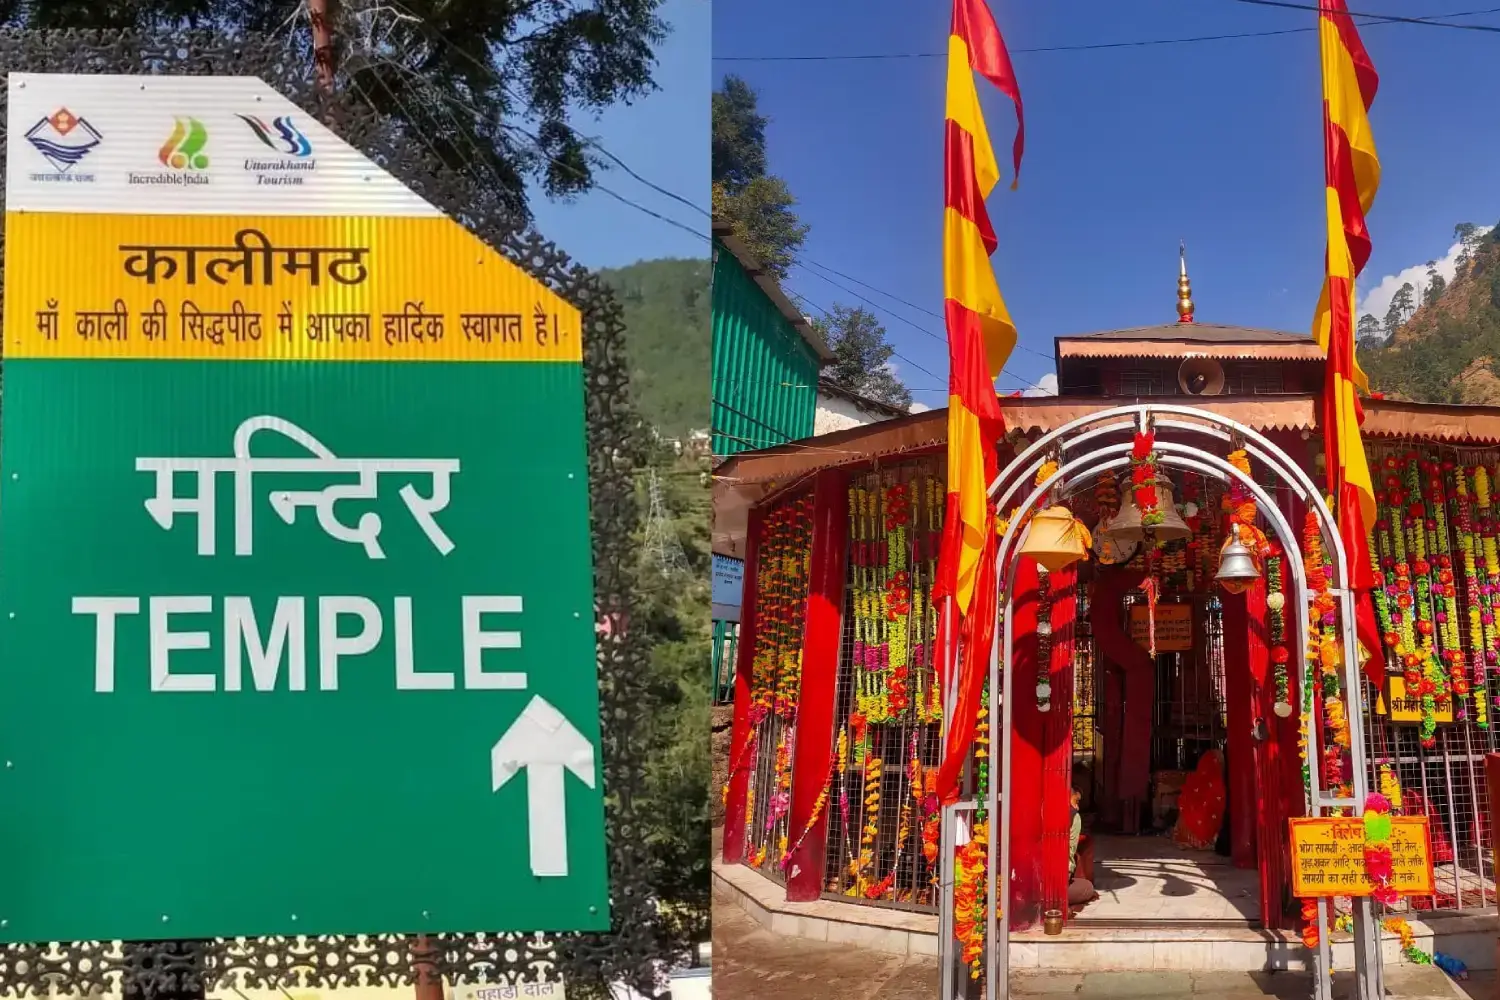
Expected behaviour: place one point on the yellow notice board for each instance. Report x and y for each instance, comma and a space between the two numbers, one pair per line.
1408, 708
273, 288
1328, 856
1174, 627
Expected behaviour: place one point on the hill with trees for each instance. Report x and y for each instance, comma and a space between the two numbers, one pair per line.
667, 315
1440, 343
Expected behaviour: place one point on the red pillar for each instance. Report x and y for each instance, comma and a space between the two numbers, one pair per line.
1057, 744
816, 706
1241, 745
742, 733
1025, 749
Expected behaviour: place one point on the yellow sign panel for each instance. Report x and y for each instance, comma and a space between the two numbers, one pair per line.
1328, 856
1408, 708
1174, 627
273, 288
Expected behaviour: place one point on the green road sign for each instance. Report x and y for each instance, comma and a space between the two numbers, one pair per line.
296, 607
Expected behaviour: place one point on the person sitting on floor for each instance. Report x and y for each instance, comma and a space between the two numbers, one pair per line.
1080, 890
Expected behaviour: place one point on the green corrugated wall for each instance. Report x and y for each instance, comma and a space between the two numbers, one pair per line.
765, 376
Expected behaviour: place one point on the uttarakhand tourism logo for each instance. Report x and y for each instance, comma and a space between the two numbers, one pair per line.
183, 154
63, 139
282, 136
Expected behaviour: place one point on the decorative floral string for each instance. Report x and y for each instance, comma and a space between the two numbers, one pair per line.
972, 860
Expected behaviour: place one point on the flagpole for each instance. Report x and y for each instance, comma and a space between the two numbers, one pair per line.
946, 943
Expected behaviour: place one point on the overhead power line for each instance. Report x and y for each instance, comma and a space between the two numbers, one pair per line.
1434, 21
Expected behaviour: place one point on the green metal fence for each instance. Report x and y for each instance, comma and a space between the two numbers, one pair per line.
726, 640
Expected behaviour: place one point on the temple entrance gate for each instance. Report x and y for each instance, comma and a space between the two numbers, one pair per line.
1083, 450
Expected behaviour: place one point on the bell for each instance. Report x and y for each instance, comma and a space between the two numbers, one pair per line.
1055, 538
1237, 569
1126, 526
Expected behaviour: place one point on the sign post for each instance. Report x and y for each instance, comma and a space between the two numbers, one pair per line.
294, 513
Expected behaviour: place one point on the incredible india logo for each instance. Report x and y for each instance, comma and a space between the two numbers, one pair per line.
183, 149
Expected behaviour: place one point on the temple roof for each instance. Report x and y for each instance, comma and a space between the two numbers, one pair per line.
749, 477
1206, 339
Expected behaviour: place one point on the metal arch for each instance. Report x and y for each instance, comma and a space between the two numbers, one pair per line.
1367, 956
1141, 415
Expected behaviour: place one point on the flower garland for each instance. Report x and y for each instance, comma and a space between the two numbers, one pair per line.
897, 603
972, 860
894, 565
1406, 607
1463, 521
1044, 643
861, 866
835, 758
1379, 864
1144, 480
1324, 658
785, 555
1276, 612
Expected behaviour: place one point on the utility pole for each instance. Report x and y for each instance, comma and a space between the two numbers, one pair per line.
320, 14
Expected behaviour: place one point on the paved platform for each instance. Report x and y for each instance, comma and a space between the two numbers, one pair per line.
1151, 878
754, 963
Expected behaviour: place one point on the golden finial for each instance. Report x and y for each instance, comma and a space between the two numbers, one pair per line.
1184, 287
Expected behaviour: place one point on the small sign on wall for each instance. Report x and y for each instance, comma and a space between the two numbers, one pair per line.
1174, 627
727, 588
1401, 706
1328, 856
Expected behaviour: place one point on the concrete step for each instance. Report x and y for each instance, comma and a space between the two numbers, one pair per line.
1148, 945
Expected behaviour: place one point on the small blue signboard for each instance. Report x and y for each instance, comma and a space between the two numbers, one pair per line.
728, 588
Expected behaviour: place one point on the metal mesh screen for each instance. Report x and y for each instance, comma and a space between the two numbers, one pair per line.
882, 830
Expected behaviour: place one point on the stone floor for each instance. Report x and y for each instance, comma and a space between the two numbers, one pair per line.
752, 963
1151, 878
1403, 983
1479, 986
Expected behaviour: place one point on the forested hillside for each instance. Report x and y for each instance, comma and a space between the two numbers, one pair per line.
1440, 343
667, 311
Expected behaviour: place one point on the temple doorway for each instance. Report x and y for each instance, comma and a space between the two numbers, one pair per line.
1145, 863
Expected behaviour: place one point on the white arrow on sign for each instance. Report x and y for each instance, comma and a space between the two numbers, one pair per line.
543, 742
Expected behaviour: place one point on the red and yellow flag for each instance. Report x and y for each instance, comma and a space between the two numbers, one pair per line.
980, 338
1352, 175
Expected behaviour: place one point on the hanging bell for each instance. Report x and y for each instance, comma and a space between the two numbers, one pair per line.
1055, 538
1237, 569
1126, 526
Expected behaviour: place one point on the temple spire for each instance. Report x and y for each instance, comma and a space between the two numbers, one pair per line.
1184, 287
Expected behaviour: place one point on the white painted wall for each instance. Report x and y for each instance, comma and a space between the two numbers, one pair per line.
835, 413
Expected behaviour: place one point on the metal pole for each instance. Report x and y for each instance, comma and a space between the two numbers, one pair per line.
946, 944
999, 930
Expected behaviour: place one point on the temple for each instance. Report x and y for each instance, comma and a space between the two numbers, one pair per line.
1156, 678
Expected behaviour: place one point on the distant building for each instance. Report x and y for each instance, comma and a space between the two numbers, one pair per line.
839, 409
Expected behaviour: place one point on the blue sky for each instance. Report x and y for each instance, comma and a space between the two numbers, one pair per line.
1128, 150
664, 138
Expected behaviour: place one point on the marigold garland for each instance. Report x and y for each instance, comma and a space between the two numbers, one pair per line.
971, 861
839, 753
